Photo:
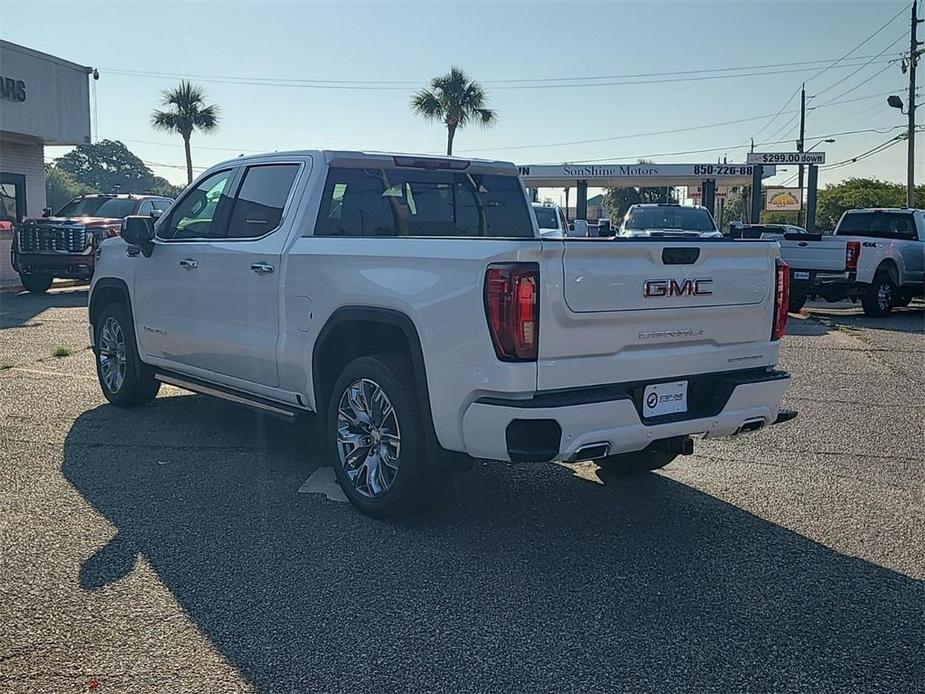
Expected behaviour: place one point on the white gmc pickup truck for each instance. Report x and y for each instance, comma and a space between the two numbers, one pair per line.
411, 302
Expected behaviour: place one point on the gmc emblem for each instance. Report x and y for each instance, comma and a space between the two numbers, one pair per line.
671, 287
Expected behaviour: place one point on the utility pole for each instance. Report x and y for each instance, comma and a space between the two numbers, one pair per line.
800, 149
913, 59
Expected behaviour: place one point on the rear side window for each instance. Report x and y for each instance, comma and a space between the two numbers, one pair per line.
412, 202
258, 206
879, 225
546, 217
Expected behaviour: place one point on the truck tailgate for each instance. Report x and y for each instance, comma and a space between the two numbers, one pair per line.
632, 310
827, 254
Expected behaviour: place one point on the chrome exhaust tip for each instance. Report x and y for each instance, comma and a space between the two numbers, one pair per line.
751, 425
591, 451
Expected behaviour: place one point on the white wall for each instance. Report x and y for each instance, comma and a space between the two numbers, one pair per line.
56, 108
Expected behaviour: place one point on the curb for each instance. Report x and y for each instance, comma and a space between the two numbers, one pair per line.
58, 284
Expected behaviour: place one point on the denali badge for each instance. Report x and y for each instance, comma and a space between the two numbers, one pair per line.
672, 287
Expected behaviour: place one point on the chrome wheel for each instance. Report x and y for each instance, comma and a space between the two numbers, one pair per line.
112, 354
368, 438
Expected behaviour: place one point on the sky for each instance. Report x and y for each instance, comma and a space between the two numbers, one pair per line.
357, 65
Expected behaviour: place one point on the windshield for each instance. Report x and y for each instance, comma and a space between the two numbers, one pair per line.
681, 218
880, 225
98, 207
546, 217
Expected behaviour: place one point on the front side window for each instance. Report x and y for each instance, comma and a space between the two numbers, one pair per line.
197, 214
879, 225
258, 206
146, 207
411, 202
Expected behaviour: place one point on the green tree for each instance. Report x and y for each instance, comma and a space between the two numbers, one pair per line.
619, 200
835, 198
186, 111
108, 167
455, 100
61, 187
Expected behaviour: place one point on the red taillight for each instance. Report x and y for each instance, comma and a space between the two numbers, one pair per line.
852, 253
781, 300
512, 306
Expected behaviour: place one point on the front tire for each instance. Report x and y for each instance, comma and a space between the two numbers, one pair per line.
637, 462
878, 298
125, 380
36, 284
376, 435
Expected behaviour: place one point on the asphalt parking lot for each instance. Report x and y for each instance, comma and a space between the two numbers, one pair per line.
179, 548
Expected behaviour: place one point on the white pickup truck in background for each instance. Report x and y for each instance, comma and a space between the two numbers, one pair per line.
876, 256
411, 302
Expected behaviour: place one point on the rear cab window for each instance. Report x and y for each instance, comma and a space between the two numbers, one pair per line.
878, 225
410, 202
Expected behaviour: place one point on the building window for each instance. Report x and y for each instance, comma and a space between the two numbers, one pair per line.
12, 197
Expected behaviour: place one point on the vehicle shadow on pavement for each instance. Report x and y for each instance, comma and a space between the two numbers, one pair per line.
902, 320
520, 578
18, 309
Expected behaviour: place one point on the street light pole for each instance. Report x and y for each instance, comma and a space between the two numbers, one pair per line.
800, 149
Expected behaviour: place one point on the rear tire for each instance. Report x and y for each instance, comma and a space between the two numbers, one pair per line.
125, 380
878, 298
636, 462
36, 284
376, 437
797, 301
902, 300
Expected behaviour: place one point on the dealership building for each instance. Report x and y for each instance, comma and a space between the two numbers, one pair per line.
44, 100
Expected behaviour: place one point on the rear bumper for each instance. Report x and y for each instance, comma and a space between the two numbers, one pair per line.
556, 426
66, 265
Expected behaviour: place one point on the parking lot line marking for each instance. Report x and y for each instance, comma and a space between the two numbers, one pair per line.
323, 481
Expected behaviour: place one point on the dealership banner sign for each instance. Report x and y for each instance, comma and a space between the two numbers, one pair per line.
782, 199
786, 158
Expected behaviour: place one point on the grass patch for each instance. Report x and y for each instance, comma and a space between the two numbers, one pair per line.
63, 351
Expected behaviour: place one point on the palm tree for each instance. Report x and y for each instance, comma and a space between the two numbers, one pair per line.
187, 112
456, 100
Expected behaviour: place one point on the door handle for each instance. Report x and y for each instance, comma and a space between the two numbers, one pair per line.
189, 263
262, 268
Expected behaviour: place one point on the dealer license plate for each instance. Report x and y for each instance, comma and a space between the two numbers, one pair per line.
801, 275
664, 398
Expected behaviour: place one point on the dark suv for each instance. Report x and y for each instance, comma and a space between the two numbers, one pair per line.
64, 245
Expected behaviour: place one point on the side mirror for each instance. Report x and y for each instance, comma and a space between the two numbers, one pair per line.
156, 214
581, 228
138, 230
604, 228
46, 212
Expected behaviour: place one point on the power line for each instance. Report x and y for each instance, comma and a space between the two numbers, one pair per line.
774, 117
656, 132
877, 31
729, 147
852, 74
683, 76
